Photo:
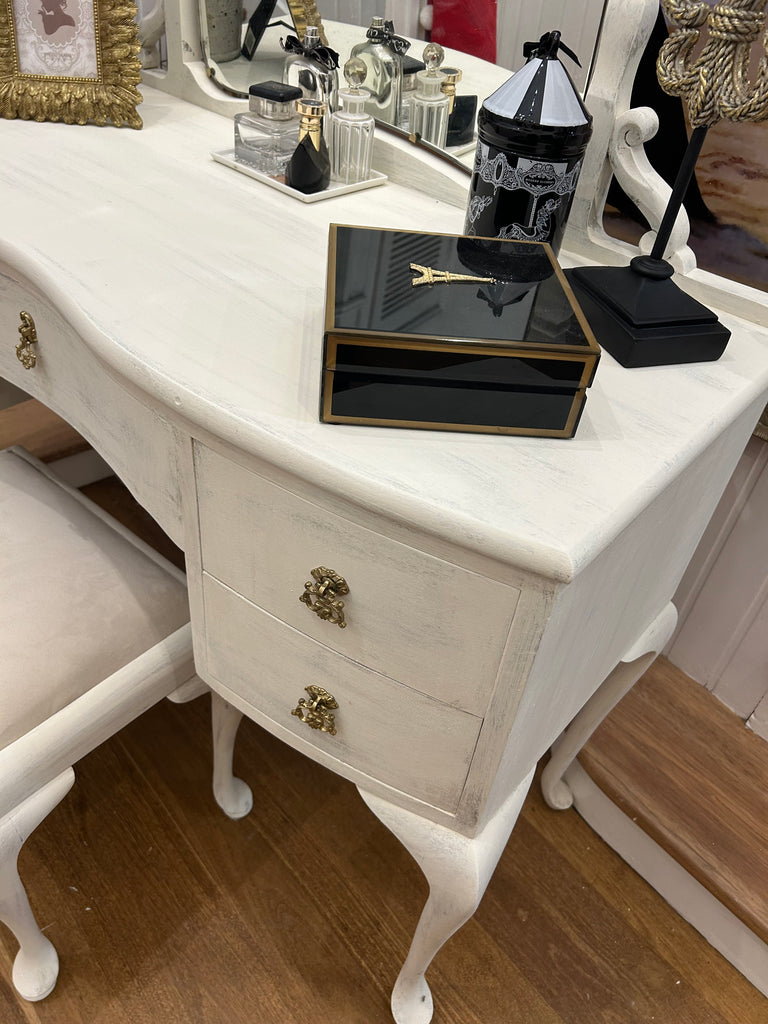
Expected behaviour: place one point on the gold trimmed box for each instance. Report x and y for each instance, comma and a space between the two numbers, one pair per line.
452, 332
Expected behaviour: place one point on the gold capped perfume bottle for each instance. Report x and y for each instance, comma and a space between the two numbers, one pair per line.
311, 67
309, 169
351, 128
266, 135
383, 53
429, 104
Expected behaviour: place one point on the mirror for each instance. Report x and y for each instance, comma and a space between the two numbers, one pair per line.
271, 20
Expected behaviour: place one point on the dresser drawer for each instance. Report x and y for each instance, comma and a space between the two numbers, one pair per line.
383, 729
423, 621
71, 379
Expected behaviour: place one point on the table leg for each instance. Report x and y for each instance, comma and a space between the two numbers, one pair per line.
232, 795
36, 966
458, 870
619, 682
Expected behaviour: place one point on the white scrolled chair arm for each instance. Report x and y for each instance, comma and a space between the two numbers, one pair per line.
644, 186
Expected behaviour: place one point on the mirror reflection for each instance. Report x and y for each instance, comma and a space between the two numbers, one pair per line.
242, 46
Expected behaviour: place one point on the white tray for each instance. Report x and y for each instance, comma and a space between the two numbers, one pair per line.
336, 188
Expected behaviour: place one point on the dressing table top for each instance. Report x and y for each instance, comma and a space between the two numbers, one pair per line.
205, 290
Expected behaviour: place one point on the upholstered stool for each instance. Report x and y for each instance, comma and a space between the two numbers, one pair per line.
94, 631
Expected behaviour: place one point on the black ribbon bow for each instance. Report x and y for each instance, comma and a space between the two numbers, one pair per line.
547, 46
387, 36
322, 54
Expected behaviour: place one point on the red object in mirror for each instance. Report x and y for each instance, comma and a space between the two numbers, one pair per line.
470, 27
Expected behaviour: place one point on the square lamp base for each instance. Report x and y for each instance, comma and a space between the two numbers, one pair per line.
646, 321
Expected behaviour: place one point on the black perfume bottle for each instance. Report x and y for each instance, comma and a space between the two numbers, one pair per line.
532, 134
309, 169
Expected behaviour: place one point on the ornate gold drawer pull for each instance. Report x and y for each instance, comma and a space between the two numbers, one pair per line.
28, 333
322, 596
317, 711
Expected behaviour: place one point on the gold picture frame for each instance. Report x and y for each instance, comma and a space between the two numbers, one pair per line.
303, 13
88, 73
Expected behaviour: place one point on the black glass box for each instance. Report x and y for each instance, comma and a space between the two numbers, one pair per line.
448, 332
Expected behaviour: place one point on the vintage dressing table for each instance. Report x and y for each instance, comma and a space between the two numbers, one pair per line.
494, 582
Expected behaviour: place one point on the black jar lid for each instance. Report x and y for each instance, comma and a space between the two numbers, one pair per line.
276, 92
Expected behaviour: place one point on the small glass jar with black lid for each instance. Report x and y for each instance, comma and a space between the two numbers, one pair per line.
267, 134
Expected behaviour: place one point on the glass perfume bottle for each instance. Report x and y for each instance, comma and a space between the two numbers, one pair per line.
309, 169
268, 133
351, 128
311, 67
429, 104
411, 66
383, 55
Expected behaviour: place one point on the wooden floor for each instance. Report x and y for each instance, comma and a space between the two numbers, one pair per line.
702, 796
164, 911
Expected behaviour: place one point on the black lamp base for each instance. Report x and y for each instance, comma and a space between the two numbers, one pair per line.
643, 319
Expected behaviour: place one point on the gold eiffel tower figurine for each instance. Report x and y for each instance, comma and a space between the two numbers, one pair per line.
429, 276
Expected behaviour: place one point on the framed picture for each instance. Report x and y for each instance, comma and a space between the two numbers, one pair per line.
303, 13
69, 60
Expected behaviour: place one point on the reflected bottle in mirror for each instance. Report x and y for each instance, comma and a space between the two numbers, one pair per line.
266, 135
309, 169
383, 53
429, 104
411, 67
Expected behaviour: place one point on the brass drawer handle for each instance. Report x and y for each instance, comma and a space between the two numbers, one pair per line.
28, 333
325, 590
317, 711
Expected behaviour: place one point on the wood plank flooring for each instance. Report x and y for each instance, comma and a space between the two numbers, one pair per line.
165, 912
696, 780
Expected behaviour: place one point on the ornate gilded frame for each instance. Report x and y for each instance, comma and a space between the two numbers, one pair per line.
303, 13
107, 95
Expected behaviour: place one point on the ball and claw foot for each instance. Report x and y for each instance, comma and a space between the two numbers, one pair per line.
412, 1001
34, 977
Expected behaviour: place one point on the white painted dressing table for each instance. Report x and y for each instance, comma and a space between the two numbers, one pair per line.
495, 582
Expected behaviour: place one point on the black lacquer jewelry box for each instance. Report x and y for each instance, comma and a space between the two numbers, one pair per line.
448, 332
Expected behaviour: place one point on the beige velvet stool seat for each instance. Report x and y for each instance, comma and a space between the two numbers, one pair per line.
95, 629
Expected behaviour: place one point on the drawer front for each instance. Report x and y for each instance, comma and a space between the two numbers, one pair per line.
386, 731
425, 622
140, 445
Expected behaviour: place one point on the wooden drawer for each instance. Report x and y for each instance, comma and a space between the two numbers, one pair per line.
425, 622
385, 730
70, 378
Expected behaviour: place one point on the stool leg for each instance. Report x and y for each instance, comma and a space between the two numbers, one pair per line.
36, 966
232, 795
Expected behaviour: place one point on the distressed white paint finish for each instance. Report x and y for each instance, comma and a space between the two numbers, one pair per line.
232, 794
398, 594
722, 641
385, 730
458, 870
36, 964
632, 666
206, 310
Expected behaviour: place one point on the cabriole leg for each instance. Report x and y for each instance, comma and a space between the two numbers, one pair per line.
36, 966
619, 682
458, 870
232, 795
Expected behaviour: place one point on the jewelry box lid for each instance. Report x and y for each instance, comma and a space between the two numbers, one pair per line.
452, 288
